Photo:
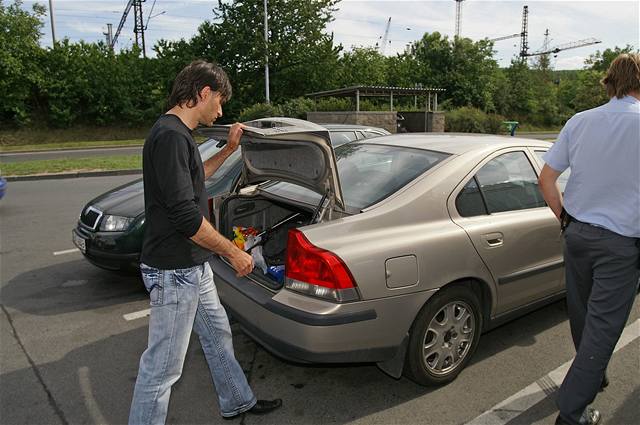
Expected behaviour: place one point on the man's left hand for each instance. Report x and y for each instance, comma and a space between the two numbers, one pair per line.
233, 140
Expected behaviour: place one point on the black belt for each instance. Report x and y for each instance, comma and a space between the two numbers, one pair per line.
566, 219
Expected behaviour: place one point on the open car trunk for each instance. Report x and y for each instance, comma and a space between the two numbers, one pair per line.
284, 150
260, 214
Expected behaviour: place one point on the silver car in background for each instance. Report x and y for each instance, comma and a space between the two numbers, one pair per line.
399, 250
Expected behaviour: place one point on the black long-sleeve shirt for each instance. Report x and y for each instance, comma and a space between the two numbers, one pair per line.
175, 199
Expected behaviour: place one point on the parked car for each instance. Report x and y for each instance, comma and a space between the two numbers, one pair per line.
344, 133
110, 227
3, 186
399, 250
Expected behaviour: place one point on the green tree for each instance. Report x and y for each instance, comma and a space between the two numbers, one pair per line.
589, 92
20, 55
520, 102
463, 67
600, 61
566, 93
362, 66
302, 57
88, 84
500, 88
401, 70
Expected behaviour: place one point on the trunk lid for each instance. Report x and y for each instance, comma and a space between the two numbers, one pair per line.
288, 150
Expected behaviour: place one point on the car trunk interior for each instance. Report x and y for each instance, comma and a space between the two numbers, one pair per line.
259, 214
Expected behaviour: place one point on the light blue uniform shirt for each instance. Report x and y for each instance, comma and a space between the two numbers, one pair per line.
602, 147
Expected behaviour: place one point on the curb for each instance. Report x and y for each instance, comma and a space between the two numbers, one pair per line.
58, 176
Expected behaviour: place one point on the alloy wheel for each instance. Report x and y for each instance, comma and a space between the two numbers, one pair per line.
448, 338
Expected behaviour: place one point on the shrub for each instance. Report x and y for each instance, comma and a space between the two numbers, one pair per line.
473, 120
494, 124
334, 104
296, 108
259, 110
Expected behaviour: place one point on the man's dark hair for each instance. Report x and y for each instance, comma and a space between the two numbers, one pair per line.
193, 78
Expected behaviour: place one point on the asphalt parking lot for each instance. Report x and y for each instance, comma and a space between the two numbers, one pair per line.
72, 335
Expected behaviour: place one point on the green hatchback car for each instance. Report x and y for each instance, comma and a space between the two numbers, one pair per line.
110, 227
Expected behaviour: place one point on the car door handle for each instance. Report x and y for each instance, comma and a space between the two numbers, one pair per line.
493, 239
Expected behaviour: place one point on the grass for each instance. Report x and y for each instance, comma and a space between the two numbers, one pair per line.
41, 139
71, 145
80, 134
49, 166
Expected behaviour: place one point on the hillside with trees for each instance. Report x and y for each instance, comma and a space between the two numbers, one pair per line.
84, 83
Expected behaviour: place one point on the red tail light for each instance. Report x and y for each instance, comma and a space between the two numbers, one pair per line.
316, 271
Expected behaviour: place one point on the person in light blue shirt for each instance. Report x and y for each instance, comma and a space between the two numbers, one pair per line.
600, 215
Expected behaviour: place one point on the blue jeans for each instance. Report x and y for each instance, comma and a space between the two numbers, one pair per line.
182, 300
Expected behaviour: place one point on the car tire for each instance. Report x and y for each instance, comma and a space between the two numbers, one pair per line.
444, 336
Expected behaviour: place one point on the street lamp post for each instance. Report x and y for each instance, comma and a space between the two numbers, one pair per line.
266, 55
53, 27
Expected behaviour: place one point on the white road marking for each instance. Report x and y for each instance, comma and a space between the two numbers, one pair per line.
89, 400
137, 315
518, 403
68, 251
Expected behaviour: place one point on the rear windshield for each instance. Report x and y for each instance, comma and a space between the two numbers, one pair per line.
369, 173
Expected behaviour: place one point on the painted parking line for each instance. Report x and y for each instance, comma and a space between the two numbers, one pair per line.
137, 314
68, 251
518, 403
90, 402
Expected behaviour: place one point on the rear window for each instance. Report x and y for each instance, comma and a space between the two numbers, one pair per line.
563, 178
217, 183
341, 137
208, 148
369, 173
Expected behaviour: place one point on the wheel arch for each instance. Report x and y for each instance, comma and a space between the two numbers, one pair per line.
482, 289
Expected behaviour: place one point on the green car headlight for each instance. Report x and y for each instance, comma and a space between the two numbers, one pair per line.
115, 223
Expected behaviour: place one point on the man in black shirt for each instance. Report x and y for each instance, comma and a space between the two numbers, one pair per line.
177, 245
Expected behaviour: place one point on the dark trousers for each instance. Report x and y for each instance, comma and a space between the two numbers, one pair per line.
602, 281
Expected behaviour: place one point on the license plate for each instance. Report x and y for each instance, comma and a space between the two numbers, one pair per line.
79, 242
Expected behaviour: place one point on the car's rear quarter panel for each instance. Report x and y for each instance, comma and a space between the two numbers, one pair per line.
413, 222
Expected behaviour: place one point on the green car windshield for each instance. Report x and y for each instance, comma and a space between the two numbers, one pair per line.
368, 173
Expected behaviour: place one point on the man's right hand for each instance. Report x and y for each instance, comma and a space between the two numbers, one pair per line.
241, 262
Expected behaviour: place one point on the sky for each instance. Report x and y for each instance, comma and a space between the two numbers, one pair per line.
363, 23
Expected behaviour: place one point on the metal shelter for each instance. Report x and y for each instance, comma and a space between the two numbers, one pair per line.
431, 94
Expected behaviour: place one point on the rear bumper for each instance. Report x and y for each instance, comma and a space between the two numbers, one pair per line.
308, 330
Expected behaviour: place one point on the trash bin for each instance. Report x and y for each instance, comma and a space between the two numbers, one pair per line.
511, 126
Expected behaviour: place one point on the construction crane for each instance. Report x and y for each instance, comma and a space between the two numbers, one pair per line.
458, 16
382, 47
138, 27
567, 46
524, 40
506, 37
524, 34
